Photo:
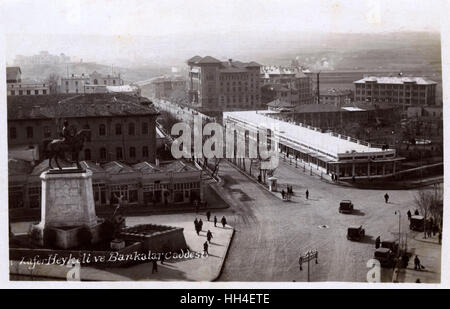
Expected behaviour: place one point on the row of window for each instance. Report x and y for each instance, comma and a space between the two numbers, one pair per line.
29, 131
28, 92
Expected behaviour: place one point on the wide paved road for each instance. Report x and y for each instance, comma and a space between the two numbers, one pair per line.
270, 234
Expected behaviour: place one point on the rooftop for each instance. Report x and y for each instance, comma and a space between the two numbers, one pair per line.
226, 66
325, 143
76, 106
395, 80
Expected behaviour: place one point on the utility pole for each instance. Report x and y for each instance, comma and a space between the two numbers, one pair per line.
318, 87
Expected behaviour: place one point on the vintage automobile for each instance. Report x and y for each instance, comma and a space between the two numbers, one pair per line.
417, 223
346, 207
355, 233
385, 256
390, 244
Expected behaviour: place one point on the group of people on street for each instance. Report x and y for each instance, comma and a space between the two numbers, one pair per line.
286, 195
198, 225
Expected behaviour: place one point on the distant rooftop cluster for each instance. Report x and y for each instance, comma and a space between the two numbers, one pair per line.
230, 65
396, 80
280, 70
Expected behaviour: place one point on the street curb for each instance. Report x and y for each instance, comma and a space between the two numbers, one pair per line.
254, 180
219, 272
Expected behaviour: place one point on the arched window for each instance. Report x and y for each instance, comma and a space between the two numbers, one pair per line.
131, 128
103, 154
95, 82
132, 152
87, 154
102, 130
118, 129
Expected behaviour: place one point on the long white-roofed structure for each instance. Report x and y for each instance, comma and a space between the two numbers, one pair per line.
330, 153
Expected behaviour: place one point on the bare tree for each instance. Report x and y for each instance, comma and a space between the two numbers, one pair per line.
423, 200
53, 80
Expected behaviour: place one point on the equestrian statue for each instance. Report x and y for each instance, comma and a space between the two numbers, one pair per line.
69, 143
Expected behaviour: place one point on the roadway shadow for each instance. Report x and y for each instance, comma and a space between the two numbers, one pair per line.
367, 239
358, 212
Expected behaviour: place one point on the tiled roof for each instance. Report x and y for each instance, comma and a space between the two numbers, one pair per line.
208, 59
115, 167
395, 80
279, 103
76, 106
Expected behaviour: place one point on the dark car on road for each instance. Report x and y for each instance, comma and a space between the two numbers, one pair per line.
385, 256
417, 223
346, 207
355, 233
390, 244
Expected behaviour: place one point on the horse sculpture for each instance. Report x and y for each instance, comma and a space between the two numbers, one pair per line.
59, 147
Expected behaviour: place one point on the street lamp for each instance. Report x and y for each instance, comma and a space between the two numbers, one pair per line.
308, 256
397, 212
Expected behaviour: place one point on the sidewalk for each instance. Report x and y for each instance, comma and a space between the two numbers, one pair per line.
206, 268
429, 252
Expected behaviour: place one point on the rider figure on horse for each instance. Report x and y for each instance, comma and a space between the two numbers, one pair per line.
66, 132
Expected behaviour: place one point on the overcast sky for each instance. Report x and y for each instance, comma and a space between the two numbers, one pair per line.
125, 19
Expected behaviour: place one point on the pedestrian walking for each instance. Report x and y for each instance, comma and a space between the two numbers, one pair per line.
209, 236
409, 215
386, 198
154, 266
205, 248
163, 257
377, 242
416, 213
440, 237
196, 225
417, 265
215, 221
223, 221
283, 194
353, 179
208, 215
200, 225
307, 194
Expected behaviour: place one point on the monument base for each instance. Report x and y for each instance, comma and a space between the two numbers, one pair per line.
65, 237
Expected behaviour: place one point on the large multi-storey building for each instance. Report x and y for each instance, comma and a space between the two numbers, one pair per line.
216, 85
294, 78
16, 87
93, 83
404, 91
122, 126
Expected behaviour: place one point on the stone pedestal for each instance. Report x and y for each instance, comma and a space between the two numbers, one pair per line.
67, 199
68, 216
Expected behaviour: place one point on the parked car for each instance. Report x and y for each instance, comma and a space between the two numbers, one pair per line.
390, 244
417, 223
355, 233
346, 207
385, 256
